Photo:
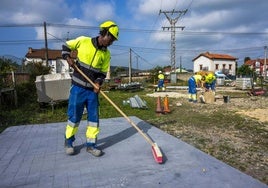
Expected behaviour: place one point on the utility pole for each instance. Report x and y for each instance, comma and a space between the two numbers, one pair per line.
46, 48
173, 28
137, 59
180, 65
265, 63
130, 66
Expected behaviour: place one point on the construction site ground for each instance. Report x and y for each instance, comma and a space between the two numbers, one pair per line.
236, 132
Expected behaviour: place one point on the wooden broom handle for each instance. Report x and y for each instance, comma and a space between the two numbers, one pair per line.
115, 106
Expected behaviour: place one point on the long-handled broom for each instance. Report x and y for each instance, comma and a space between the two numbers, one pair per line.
155, 149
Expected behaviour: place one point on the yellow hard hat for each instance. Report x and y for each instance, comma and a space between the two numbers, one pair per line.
111, 27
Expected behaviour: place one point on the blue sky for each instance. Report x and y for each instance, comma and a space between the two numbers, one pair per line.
238, 28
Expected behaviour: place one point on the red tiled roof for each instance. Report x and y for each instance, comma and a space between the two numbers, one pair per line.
216, 56
253, 61
40, 53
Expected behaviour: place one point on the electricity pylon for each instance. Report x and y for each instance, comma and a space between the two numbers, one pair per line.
172, 28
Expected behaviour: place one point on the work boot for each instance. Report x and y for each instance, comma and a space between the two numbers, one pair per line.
68, 144
91, 148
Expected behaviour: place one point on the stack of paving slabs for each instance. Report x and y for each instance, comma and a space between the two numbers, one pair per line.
137, 102
209, 97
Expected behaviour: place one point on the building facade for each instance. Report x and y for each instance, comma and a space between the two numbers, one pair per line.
51, 58
259, 66
216, 63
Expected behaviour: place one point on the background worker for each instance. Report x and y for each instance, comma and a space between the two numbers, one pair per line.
210, 82
93, 58
193, 82
161, 78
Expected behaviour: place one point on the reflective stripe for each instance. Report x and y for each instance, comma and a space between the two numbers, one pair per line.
192, 78
73, 124
91, 72
194, 97
92, 132
92, 124
70, 131
81, 82
91, 141
89, 67
189, 96
65, 53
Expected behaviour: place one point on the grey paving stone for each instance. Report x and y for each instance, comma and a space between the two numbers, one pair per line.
34, 156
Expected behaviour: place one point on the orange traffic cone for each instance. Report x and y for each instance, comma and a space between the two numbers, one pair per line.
158, 106
166, 105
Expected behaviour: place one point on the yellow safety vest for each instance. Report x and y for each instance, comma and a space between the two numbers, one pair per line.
88, 54
210, 78
161, 76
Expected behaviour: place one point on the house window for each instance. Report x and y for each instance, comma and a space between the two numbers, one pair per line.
217, 66
223, 66
230, 67
200, 67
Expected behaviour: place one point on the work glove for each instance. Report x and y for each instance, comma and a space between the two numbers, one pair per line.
71, 61
97, 90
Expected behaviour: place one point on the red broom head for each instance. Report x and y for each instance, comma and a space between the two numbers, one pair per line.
157, 153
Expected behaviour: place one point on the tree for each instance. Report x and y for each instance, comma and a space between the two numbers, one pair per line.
36, 69
245, 70
6, 67
246, 59
117, 70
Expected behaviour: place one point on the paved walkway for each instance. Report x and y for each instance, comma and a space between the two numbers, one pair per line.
33, 156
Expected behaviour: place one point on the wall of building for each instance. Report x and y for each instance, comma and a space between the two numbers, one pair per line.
210, 65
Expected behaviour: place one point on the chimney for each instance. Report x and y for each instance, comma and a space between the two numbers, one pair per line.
30, 50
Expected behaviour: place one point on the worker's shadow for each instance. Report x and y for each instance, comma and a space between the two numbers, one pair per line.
124, 134
111, 140
116, 138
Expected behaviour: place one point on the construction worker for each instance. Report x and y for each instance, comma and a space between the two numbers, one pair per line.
193, 82
161, 78
210, 81
93, 58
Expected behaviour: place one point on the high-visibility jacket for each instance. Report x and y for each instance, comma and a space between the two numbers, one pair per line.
161, 76
93, 60
197, 78
210, 78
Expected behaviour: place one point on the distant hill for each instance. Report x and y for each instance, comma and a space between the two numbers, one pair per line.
112, 68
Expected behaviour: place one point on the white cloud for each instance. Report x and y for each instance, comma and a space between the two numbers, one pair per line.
35, 11
96, 10
140, 15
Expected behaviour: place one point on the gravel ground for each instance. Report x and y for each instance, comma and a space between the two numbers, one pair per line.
235, 132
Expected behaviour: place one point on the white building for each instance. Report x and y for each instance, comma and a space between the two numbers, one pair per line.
215, 62
55, 61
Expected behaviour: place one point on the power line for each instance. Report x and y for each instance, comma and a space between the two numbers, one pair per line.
137, 48
23, 25
141, 57
186, 32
